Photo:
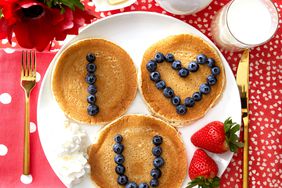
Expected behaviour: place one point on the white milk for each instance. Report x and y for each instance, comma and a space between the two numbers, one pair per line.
249, 21
244, 24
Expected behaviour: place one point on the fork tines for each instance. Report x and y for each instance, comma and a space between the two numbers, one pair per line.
28, 63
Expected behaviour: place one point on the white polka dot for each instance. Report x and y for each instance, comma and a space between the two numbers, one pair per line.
32, 127
26, 179
4, 41
61, 43
91, 4
3, 150
9, 50
14, 44
5, 98
38, 77
54, 50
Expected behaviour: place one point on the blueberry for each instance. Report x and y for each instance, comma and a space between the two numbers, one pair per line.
155, 76
193, 66
159, 57
118, 138
160, 84
168, 92
183, 72
211, 62
91, 99
157, 140
205, 88
143, 185
90, 79
201, 59
176, 65
120, 169
169, 57
158, 162
189, 102
92, 109
215, 70
151, 66
154, 182
131, 185
91, 67
122, 180
197, 96
156, 173
119, 159
175, 100
181, 109
157, 151
211, 80
90, 57
92, 89
118, 148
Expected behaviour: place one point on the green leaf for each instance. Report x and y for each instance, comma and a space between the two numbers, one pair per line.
49, 3
63, 10
202, 182
233, 138
68, 4
239, 144
1, 14
73, 3
227, 124
61, 4
234, 129
231, 128
232, 148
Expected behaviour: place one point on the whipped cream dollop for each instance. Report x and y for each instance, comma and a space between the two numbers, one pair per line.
72, 156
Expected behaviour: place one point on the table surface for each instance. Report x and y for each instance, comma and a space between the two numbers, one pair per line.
265, 169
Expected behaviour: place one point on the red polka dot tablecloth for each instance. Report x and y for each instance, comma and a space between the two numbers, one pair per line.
265, 169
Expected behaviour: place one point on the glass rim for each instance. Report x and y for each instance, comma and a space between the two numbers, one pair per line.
252, 45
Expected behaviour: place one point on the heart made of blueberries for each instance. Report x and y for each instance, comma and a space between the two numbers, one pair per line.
168, 92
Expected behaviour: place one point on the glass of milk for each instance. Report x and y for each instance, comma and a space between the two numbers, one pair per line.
243, 24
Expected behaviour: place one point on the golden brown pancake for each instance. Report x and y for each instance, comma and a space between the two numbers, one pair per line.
137, 132
116, 81
185, 48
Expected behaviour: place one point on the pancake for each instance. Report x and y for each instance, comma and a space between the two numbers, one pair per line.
184, 47
116, 81
137, 132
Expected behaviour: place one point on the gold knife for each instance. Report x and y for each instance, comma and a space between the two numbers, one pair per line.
242, 78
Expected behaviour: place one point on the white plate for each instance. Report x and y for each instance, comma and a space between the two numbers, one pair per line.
134, 32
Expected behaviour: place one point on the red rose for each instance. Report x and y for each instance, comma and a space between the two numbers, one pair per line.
35, 24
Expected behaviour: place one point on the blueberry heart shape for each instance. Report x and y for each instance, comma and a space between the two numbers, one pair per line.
168, 92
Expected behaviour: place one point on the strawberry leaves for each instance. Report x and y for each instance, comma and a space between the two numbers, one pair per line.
203, 182
230, 129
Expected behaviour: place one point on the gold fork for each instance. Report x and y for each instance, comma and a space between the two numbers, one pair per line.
28, 81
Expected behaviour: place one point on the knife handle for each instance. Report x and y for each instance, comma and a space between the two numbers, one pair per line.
246, 152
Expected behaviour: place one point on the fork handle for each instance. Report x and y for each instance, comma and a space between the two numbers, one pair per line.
26, 157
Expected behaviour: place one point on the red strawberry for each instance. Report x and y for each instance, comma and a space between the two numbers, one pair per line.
203, 171
218, 137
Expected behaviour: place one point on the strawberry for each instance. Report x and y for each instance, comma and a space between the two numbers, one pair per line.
203, 171
218, 137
